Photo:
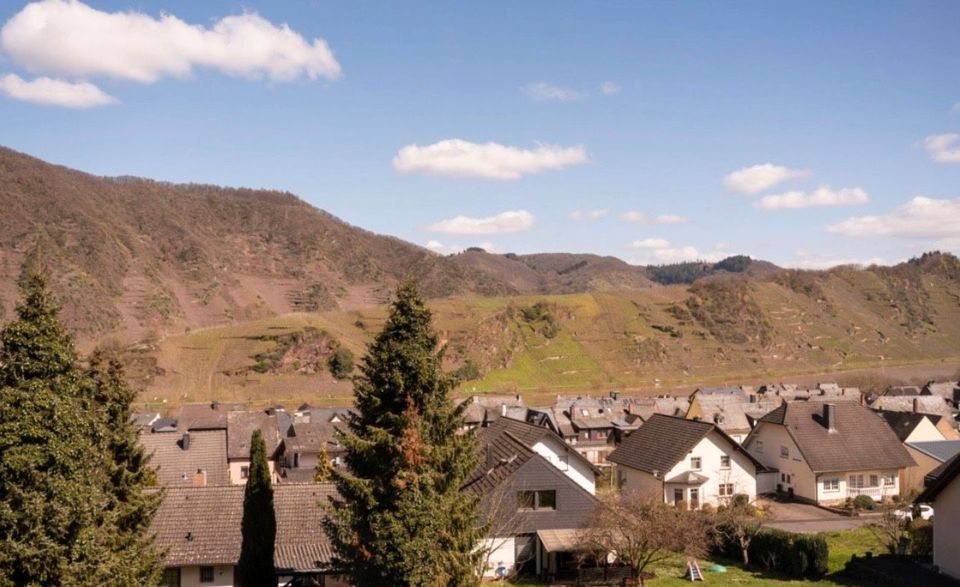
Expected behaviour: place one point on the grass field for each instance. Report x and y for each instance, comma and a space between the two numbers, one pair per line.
843, 545
639, 342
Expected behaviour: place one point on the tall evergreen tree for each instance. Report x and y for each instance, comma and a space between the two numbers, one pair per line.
259, 524
401, 519
60, 516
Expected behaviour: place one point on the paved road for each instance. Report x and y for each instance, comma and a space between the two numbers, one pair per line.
808, 519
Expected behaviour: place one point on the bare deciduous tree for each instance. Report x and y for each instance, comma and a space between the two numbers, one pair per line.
738, 522
640, 530
502, 520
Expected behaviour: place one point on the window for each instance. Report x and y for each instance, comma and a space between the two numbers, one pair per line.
855, 482
244, 472
206, 574
784, 452
759, 445
171, 577
889, 480
874, 481
537, 500
694, 498
726, 489
695, 463
725, 462
832, 484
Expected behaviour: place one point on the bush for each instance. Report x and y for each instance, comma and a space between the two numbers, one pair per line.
341, 363
467, 372
921, 538
796, 555
863, 502
817, 553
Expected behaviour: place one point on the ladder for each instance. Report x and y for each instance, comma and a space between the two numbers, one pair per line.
693, 571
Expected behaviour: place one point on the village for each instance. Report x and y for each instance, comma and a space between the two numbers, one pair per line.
824, 458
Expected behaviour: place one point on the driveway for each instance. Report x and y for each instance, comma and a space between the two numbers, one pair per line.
809, 519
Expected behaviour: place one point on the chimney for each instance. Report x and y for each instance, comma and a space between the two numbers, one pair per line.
200, 478
503, 410
830, 417
185, 442
916, 405
753, 398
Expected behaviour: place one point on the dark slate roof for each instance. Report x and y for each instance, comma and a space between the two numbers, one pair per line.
207, 416
663, 441
310, 437
500, 456
240, 428
942, 450
938, 480
902, 423
860, 441
207, 451
201, 526
529, 435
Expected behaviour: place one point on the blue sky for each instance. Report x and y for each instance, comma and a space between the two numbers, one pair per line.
459, 124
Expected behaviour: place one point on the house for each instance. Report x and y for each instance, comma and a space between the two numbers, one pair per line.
733, 409
929, 456
527, 503
826, 452
481, 411
687, 462
912, 428
949, 390
206, 416
548, 445
934, 405
305, 445
240, 429
943, 492
198, 528
191, 458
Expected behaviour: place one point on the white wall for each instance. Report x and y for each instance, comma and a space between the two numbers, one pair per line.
773, 437
222, 577
504, 551
946, 529
555, 451
837, 497
925, 432
237, 479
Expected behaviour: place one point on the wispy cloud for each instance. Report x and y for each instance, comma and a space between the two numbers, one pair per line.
54, 92
609, 88
588, 214
807, 260
452, 249
650, 243
509, 221
658, 251
920, 217
459, 158
943, 148
822, 196
544, 92
643, 219
755, 179
70, 38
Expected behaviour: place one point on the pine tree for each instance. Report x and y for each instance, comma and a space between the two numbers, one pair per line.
323, 472
259, 524
60, 516
401, 519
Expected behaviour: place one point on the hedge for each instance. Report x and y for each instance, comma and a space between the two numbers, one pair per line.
796, 555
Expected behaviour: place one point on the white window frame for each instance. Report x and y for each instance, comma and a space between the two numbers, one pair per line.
724, 461
832, 484
696, 463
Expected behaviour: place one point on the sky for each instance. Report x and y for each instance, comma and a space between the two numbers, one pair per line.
809, 134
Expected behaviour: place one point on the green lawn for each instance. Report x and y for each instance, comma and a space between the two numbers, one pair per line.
843, 545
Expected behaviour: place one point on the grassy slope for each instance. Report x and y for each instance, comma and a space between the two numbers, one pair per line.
630, 340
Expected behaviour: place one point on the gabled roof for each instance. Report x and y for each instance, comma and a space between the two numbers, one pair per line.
664, 441
500, 457
939, 479
240, 428
201, 526
530, 435
923, 404
903, 423
860, 440
176, 465
310, 437
206, 416
941, 450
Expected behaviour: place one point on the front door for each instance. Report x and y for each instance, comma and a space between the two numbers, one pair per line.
677, 497
694, 498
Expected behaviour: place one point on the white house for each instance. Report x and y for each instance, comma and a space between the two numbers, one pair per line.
687, 462
943, 491
826, 452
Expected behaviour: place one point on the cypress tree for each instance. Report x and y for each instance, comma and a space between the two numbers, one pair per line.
60, 515
400, 519
259, 525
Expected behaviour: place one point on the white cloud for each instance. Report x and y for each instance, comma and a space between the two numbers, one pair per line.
670, 219
651, 243
452, 249
641, 218
459, 158
509, 221
609, 88
806, 260
919, 218
943, 148
755, 179
822, 196
543, 92
67, 37
54, 92
588, 214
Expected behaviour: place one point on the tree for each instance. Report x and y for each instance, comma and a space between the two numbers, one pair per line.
643, 530
63, 519
323, 472
738, 523
341, 363
401, 519
259, 525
